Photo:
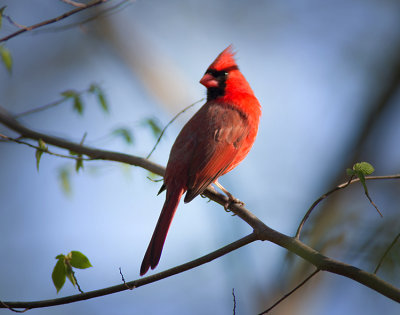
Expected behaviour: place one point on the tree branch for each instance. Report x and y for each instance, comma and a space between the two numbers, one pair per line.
339, 187
169, 123
95, 154
386, 252
74, 3
71, 157
290, 293
261, 231
136, 283
53, 20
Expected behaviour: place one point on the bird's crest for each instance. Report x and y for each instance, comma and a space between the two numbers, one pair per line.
225, 60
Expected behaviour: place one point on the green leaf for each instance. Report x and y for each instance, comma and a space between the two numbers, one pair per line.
42, 145
78, 164
125, 133
60, 256
70, 274
38, 155
364, 167
103, 102
361, 176
350, 172
97, 90
361, 170
79, 260
59, 273
154, 126
39, 152
65, 180
93, 87
6, 58
1, 15
78, 105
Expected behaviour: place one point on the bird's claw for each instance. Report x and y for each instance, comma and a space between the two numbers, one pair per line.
231, 201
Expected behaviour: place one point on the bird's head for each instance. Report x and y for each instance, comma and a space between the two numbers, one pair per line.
217, 74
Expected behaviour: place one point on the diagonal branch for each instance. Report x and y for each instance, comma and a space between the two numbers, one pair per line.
339, 187
290, 293
386, 252
170, 122
74, 3
136, 283
95, 154
71, 157
53, 20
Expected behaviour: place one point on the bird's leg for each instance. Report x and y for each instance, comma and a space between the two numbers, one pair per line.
231, 199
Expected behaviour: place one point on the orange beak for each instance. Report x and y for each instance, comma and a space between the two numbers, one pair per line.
209, 81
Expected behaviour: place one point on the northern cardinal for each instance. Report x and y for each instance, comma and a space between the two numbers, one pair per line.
213, 142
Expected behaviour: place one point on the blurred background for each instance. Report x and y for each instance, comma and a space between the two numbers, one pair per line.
327, 75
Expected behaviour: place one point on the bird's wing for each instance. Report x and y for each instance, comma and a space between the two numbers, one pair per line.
217, 144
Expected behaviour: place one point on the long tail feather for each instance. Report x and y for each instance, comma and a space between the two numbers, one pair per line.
153, 253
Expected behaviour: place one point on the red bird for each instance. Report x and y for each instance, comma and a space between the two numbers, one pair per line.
213, 142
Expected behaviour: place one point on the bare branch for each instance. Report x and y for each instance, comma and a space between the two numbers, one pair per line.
339, 187
44, 151
12, 21
123, 279
76, 281
316, 202
103, 13
53, 20
290, 293
386, 252
95, 154
50, 105
234, 301
12, 309
373, 203
74, 3
170, 122
139, 282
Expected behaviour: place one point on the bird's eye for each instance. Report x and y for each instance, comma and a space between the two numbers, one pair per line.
226, 74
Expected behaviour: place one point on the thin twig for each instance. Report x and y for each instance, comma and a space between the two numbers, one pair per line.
103, 13
290, 293
234, 301
170, 122
95, 154
50, 105
123, 280
53, 20
44, 150
74, 3
154, 180
316, 202
99, 13
339, 187
13, 309
41, 108
386, 252
76, 281
372, 203
13, 22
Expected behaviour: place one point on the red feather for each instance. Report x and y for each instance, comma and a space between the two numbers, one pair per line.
213, 142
